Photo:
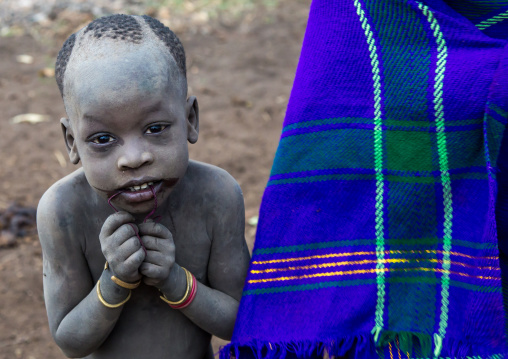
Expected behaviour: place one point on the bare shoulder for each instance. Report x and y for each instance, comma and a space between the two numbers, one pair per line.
60, 205
216, 186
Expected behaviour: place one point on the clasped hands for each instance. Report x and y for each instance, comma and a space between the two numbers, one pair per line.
125, 255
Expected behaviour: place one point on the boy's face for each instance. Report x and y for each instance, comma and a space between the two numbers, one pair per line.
129, 125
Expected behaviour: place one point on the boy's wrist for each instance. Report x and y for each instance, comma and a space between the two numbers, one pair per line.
111, 292
175, 285
120, 282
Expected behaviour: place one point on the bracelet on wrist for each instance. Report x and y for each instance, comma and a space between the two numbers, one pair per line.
120, 282
189, 295
192, 294
106, 304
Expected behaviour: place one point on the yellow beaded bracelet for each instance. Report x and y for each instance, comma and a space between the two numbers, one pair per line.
120, 282
189, 279
106, 304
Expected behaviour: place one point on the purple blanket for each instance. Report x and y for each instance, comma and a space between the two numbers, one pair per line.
377, 234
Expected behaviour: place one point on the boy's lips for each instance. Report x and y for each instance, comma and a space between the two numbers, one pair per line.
136, 191
140, 195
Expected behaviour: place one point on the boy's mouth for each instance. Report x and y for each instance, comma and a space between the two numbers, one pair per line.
137, 191
142, 186
140, 192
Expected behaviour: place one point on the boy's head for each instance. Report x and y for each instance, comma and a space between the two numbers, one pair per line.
123, 82
133, 29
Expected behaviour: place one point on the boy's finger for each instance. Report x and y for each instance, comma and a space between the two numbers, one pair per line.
151, 270
124, 232
157, 258
149, 281
155, 230
111, 244
135, 259
158, 244
129, 247
113, 222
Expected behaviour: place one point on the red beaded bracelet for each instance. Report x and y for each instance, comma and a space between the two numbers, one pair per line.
191, 297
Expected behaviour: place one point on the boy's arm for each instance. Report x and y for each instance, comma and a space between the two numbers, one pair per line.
214, 308
78, 321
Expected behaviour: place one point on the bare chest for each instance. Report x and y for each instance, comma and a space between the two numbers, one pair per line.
149, 328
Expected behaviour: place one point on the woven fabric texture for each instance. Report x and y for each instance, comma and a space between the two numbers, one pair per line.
377, 234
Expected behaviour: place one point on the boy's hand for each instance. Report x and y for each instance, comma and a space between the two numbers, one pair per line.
121, 247
160, 253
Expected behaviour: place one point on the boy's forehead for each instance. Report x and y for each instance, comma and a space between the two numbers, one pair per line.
116, 67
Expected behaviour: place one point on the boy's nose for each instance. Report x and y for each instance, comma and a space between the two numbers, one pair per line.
134, 159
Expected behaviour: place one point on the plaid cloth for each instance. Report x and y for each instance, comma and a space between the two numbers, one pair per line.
377, 233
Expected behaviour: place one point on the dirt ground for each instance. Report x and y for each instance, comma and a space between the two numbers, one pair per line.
241, 73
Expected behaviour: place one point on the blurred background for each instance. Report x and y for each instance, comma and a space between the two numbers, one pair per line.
241, 60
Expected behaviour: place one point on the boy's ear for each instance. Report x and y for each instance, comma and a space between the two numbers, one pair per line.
69, 140
192, 112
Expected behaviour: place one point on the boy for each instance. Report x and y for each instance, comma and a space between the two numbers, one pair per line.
109, 276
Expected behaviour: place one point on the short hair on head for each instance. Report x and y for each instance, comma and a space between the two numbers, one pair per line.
169, 38
115, 26
62, 60
120, 27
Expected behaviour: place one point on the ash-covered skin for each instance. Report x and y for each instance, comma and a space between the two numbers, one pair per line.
129, 122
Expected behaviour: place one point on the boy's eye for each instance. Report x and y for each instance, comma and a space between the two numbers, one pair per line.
103, 139
155, 129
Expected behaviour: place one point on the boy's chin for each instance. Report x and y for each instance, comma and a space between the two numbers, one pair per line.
135, 205
137, 209
140, 210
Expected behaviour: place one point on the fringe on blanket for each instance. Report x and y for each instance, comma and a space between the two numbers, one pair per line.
267, 350
357, 346
406, 341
